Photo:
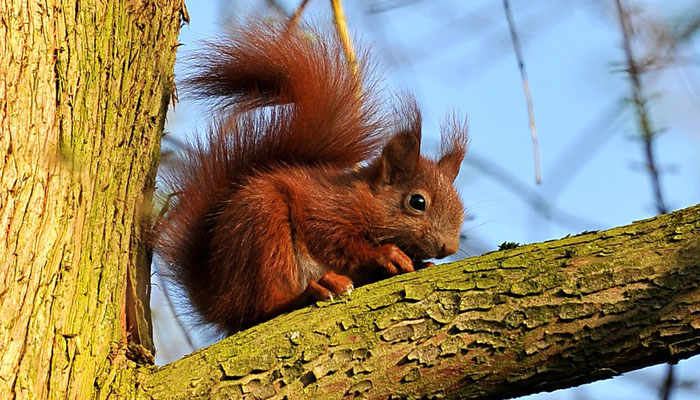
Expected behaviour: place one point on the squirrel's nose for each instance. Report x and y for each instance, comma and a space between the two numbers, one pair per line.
449, 248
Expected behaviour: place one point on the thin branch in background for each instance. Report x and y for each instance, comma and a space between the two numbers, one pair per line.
341, 27
377, 7
171, 307
669, 383
528, 195
492, 46
586, 144
687, 26
163, 285
648, 134
480, 24
526, 89
294, 19
648, 381
276, 7
693, 92
640, 104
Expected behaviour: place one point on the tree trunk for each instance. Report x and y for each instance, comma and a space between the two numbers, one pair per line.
539, 317
84, 88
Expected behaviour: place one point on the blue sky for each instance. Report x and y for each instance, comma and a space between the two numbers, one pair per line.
457, 56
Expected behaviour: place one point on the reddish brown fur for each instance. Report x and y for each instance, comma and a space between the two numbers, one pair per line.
272, 211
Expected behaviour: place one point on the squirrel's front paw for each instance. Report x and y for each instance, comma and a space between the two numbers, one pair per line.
423, 264
330, 284
393, 259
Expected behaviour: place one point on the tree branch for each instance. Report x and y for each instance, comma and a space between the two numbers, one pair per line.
526, 90
539, 317
641, 106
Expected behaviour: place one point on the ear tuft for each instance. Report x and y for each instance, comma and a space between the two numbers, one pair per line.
400, 156
453, 146
399, 159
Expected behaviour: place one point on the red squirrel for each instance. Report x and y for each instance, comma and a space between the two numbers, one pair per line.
303, 188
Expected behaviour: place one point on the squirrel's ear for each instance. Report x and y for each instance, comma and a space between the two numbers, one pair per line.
449, 163
453, 147
399, 158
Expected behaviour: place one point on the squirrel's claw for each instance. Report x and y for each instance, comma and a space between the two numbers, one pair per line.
393, 259
331, 284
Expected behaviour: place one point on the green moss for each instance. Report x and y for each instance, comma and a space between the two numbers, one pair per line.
487, 282
408, 330
524, 288
378, 302
444, 309
399, 312
508, 246
416, 292
425, 355
478, 301
457, 284
539, 315
412, 375
572, 311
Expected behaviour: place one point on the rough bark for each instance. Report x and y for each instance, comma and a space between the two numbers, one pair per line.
84, 87
537, 317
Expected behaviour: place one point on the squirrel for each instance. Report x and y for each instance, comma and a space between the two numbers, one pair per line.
303, 188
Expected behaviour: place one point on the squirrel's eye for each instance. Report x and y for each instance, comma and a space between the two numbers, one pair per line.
417, 202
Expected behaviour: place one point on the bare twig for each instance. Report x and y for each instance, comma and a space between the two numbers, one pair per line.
648, 134
669, 383
377, 7
164, 209
341, 27
528, 195
171, 306
490, 46
161, 280
526, 89
587, 142
276, 7
693, 92
294, 19
640, 103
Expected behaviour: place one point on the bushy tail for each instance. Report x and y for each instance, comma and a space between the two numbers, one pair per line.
320, 114
331, 118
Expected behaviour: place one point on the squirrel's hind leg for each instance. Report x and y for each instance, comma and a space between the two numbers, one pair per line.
330, 285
